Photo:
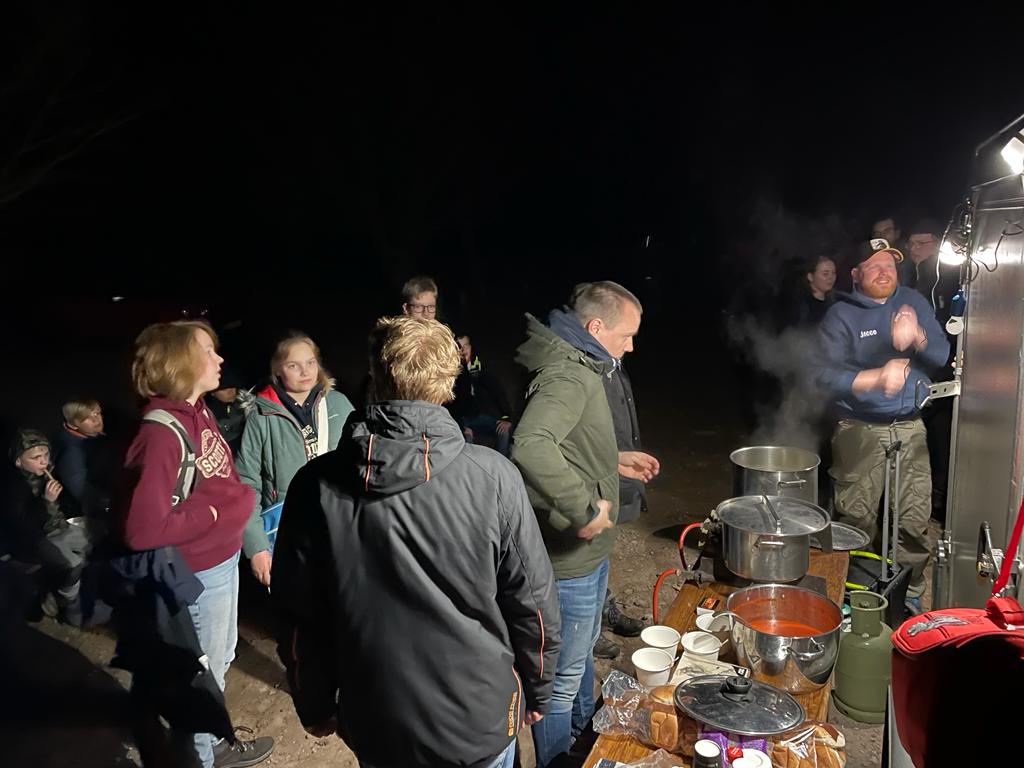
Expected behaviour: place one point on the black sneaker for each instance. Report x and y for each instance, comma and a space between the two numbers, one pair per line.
619, 623
243, 753
605, 649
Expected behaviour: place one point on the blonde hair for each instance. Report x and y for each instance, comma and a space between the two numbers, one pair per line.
167, 359
281, 354
76, 410
413, 358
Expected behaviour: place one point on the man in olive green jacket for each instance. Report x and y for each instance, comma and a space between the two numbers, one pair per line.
565, 447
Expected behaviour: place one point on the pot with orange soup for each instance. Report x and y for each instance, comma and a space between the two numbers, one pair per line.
788, 636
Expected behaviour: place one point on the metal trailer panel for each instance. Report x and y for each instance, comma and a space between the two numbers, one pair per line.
988, 426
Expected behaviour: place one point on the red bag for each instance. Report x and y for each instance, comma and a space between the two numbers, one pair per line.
951, 671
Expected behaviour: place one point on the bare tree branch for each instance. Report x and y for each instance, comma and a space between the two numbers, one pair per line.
11, 188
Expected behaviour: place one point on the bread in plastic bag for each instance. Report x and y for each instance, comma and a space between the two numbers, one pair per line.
649, 716
812, 745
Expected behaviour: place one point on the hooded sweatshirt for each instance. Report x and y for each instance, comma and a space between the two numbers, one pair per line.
856, 335
152, 462
415, 599
564, 443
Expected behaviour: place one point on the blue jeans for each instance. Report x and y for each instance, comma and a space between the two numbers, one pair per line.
483, 424
581, 601
215, 617
505, 760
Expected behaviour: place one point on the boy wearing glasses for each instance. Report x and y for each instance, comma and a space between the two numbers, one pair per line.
419, 297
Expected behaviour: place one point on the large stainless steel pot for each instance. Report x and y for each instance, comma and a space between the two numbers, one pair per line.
788, 636
775, 470
768, 538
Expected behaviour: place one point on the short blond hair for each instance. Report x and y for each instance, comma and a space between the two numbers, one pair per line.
281, 354
413, 358
167, 359
76, 410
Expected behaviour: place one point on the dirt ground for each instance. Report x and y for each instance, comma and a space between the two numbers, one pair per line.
71, 708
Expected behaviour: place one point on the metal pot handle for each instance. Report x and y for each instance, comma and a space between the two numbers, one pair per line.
769, 543
719, 614
808, 655
792, 483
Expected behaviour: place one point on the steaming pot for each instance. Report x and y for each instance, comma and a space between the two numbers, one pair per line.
775, 470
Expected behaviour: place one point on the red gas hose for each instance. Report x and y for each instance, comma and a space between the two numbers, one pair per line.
682, 537
667, 571
657, 586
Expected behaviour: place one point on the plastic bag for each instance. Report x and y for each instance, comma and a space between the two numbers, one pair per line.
659, 759
650, 717
812, 745
726, 740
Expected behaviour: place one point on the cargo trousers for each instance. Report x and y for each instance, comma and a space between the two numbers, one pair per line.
858, 475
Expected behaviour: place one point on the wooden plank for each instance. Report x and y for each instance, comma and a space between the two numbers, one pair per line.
682, 616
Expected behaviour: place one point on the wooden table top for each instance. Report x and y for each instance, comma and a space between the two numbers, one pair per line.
682, 616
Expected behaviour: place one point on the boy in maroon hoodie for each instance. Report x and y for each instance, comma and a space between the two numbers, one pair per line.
175, 365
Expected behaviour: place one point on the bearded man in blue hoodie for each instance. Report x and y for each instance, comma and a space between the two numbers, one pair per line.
878, 344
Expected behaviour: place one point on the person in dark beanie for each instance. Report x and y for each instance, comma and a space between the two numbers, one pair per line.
35, 525
229, 404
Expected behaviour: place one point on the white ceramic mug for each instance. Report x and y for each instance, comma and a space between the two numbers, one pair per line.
653, 666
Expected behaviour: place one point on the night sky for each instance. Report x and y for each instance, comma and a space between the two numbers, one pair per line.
277, 166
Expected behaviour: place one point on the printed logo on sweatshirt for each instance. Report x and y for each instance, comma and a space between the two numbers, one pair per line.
309, 439
865, 334
214, 459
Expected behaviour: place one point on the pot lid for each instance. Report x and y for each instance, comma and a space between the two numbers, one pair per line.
845, 538
754, 514
738, 705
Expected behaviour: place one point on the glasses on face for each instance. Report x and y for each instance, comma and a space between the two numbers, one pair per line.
423, 309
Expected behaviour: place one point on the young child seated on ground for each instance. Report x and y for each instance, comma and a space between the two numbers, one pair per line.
35, 526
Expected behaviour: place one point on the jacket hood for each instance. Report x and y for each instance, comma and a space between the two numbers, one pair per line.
544, 345
401, 443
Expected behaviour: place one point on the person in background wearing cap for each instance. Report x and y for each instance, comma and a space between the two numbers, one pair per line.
230, 404
34, 522
878, 344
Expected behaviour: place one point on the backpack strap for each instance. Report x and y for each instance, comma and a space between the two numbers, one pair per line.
187, 466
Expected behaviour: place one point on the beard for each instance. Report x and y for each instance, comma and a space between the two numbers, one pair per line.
875, 291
